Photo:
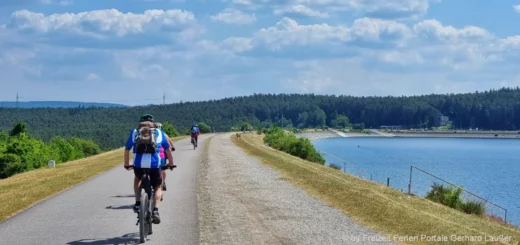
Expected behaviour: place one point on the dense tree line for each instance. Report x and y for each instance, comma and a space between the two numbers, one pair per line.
109, 127
20, 152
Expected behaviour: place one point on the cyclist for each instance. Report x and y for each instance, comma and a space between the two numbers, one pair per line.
162, 154
195, 133
145, 161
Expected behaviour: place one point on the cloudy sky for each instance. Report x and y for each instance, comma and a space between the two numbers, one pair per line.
133, 51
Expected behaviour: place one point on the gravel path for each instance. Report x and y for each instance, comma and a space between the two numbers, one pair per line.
242, 201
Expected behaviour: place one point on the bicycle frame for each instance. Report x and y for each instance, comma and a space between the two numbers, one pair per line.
144, 216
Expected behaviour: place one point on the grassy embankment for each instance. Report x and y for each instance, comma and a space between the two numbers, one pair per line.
386, 210
24, 190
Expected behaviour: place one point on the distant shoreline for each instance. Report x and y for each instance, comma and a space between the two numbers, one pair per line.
330, 134
458, 135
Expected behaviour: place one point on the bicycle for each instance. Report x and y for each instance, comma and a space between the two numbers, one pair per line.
144, 216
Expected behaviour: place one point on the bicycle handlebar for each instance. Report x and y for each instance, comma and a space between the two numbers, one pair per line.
163, 167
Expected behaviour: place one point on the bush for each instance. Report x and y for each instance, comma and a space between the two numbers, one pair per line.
20, 152
300, 147
10, 164
451, 197
170, 130
473, 207
204, 128
87, 147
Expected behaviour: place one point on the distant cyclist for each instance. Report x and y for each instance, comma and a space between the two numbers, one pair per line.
146, 142
195, 133
162, 154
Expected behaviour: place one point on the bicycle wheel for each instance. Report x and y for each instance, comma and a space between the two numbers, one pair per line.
143, 231
150, 208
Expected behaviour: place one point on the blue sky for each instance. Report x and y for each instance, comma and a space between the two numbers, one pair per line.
133, 51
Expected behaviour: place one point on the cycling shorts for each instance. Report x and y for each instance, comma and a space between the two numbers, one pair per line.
155, 175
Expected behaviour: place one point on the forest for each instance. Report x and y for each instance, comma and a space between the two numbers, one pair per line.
21, 152
109, 127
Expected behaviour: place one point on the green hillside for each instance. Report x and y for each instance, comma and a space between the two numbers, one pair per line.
493, 110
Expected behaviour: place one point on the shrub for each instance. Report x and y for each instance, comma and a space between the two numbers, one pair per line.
170, 130
87, 147
204, 128
451, 197
289, 143
473, 207
10, 164
20, 152
65, 150
448, 196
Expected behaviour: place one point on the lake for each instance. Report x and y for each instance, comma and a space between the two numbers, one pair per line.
489, 168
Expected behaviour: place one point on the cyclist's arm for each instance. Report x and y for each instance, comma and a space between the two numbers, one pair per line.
169, 141
169, 156
128, 147
166, 145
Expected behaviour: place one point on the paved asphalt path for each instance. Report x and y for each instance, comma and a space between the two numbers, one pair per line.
99, 211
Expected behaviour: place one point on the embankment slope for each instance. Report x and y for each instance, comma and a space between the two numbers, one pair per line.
386, 210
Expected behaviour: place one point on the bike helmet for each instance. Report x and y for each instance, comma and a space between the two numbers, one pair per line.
146, 118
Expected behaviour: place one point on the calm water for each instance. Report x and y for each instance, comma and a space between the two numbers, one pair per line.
489, 168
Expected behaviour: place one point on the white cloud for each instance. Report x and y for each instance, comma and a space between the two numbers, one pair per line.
288, 32
321, 54
98, 22
66, 2
371, 8
434, 30
238, 44
233, 16
301, 9
93, 76
517, 8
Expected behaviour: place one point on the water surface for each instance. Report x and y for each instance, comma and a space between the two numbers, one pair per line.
489, 168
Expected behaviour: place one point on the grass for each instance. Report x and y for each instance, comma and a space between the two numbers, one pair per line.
386, 210
24, 190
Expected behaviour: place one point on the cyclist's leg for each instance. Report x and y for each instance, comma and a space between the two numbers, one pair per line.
163, 173
156, 182
137, 187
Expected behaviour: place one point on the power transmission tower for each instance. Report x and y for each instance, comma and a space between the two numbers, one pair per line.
164, 99
17, 100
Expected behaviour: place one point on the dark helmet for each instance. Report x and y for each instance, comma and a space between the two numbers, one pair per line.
146, 118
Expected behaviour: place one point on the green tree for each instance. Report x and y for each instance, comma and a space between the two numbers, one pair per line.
10, 164
66, 151
169, 129
19, 128
204, 128
343, 121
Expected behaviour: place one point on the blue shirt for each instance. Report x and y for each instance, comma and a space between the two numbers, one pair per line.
148, 160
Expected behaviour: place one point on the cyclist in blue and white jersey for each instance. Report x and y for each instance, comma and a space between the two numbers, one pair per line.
148, 161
